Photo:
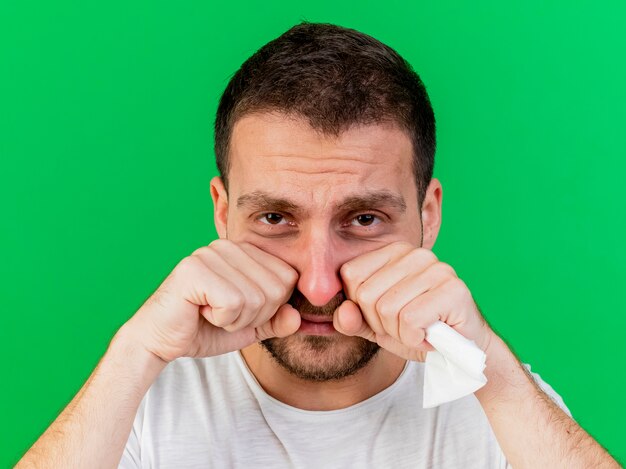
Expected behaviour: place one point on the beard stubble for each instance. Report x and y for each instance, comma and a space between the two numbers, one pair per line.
320, 358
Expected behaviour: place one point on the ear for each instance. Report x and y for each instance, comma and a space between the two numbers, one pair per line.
431, 213
220, 205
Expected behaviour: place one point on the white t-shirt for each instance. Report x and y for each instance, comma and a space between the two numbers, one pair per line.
212, 413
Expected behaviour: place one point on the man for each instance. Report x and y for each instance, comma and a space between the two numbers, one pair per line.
296, 339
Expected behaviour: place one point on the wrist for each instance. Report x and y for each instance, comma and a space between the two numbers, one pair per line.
506, 376
128, 353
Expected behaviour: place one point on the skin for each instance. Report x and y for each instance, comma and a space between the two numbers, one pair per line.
233, 293
316, 174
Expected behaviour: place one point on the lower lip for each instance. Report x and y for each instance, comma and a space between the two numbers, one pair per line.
316, 328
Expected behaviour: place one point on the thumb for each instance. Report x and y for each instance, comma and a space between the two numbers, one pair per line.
285, 322
349, 320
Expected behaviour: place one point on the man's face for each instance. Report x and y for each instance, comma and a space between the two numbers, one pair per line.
316, 202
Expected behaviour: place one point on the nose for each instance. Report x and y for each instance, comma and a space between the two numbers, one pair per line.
318, 266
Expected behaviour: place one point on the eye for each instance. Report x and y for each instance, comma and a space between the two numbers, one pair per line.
272, 219
365, 219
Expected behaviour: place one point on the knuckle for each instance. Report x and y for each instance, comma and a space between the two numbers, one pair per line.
347, 271
407, 319
218, 245
364, 295
425, 255
255, 299
386, 309
205, 253
418, 336
233, 302
291, 277
189, 264
458, 285
201, 251
458, 289
445, 269
277, 292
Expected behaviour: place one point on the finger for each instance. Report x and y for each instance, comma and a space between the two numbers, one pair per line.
357, 270
251, 298
398, 348
248, 254
348, 320
204, 287
216, 341
397, 296
389, 279
287, 274
285, 322
257, 267
422, 312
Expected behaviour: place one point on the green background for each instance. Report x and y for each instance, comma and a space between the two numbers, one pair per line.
106, 115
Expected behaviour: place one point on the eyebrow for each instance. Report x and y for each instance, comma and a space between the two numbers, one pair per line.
259, 200
373, 199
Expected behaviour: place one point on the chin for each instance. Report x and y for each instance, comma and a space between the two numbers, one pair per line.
321, 357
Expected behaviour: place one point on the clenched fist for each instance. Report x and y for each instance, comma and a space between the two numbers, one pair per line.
223, 297
395, 292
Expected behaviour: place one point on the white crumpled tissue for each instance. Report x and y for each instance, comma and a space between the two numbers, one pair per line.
454, 369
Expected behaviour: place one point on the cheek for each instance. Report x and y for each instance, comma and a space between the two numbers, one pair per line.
287, 250
278, 247
298, 251
236, 227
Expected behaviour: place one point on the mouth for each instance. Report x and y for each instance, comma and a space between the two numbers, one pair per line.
316, 317
316, 320
315, 324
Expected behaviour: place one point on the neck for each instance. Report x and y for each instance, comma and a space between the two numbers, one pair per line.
380, 373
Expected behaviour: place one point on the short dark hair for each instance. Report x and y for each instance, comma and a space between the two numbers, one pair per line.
334, 77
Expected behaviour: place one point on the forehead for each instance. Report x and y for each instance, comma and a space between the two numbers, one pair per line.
281, 154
